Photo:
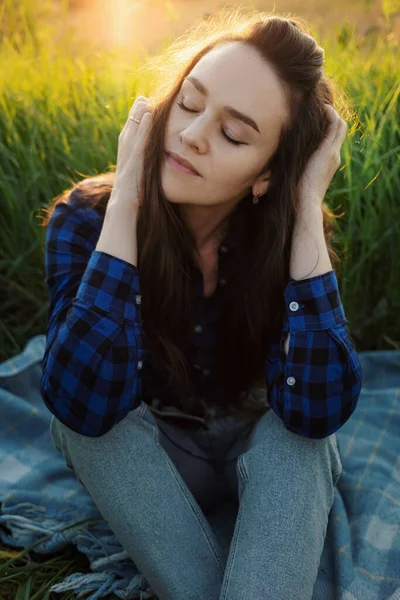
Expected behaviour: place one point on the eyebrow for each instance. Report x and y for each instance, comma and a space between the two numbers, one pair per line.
229, 109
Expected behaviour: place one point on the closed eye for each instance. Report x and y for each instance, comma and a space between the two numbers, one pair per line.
235, 142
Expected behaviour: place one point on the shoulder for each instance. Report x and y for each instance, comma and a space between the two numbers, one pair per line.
86, 201
92, 193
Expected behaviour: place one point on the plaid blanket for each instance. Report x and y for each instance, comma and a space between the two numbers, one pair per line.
42, 502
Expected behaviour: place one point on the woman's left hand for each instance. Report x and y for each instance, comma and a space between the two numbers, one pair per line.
323, 163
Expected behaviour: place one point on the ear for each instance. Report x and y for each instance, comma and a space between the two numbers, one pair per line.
261, 184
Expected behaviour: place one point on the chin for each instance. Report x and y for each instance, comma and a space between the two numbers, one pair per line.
174, 200
174, 195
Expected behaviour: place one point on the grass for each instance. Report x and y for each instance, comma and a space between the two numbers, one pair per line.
25, 574
31, 577
62, 107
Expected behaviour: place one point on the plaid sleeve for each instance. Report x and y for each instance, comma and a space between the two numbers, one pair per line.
314, 389
93, 354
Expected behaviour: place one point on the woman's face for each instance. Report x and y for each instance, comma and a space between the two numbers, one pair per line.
233, 75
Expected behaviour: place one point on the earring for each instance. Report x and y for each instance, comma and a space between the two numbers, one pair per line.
256, 198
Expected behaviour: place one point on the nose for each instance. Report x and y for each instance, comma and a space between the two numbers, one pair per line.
195, 135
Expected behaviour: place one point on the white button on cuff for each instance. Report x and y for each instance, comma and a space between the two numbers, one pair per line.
140, 364
138, 298
290, 381
198, 329
294, 306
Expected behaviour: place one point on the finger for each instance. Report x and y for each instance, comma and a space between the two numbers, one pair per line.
137, 121
139, 107
339, 139
142, 131
141, 103
334, 122
135, 117
341, 134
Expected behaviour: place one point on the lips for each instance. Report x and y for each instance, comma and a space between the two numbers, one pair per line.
183, 162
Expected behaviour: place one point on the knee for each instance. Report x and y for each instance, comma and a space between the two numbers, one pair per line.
57, 434
60, 435
81, 453
271, 441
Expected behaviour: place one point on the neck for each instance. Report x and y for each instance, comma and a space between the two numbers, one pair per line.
208, 225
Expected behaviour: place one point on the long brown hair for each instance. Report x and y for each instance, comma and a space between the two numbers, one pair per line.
252, 299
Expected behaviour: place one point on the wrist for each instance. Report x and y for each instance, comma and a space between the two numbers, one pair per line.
118, 209
120, 199
310, 211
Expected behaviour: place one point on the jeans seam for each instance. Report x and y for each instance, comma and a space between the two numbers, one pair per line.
201, 518
233, 545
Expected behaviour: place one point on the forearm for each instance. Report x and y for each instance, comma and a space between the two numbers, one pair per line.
118, 236
309, 255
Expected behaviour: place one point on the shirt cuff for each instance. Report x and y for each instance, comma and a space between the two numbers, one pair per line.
314, 303
112, 285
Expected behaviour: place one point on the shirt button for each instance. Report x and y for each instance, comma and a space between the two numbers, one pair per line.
156, 402
223, 249
206, 372
198, 329
138, 298
290, 381
196, 366
222, 281
140, 364
294, 306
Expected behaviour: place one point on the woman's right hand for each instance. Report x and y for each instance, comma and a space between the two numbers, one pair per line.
129, 168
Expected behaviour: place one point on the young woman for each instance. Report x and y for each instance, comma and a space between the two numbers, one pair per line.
179, 285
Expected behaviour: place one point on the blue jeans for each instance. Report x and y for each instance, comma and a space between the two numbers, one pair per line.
158, 484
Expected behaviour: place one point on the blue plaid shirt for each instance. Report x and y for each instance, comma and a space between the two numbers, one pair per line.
95, 368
